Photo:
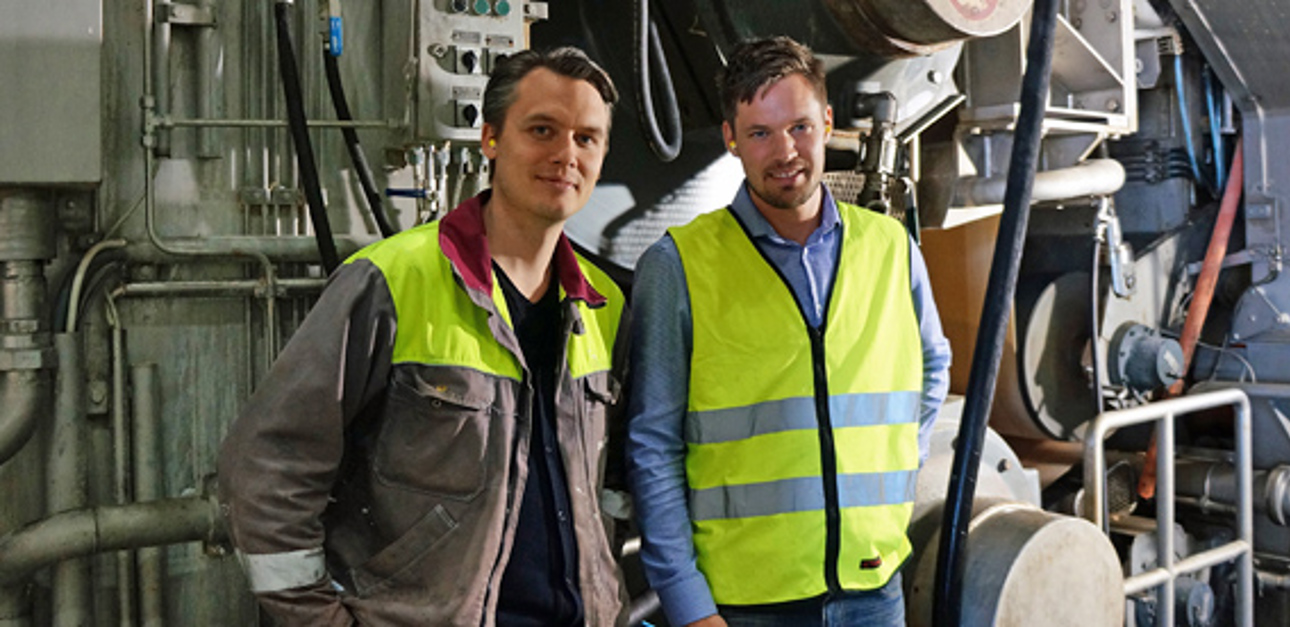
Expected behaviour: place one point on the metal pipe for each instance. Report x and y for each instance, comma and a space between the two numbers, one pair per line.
107, 528
1091, 177
208, 75
68, 488
158, 69
1165, 515
281, 249
1212, 486
121, 460
148, 487
26, 351
1275, 581
168, 122
230, 288
1159, 577
24, 395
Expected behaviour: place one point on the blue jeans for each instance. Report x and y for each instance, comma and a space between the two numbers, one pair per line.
884, 607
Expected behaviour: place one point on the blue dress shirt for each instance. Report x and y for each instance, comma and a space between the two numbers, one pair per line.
660, 378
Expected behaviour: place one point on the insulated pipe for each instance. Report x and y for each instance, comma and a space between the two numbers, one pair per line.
67, 479
26, 351
89, 531
1092, 177
147, 487
950, 561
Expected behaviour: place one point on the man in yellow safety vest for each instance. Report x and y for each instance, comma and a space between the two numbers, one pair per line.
787, 365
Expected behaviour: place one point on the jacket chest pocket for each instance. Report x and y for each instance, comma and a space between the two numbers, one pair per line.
600, 393
434, 438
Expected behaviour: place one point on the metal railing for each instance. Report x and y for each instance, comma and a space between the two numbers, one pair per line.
1241, 550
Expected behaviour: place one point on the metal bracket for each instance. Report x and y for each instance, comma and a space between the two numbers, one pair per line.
279, 196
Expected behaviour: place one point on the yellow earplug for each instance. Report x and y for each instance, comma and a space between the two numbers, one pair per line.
732, 145
492, 143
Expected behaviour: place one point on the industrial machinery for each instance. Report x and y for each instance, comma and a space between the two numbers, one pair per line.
177, 178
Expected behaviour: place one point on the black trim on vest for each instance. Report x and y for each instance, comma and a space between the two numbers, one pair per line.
828, 449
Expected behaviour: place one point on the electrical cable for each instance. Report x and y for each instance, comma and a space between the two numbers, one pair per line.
649, 46
1215, 126
1186, 120
356, 156
300, 139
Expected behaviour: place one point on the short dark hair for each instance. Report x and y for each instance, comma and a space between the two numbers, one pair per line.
566, 61
757, 63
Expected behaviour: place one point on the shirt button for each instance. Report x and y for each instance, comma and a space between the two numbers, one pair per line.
562, 516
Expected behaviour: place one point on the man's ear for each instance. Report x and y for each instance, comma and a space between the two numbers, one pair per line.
828, 122
728, 135
488, 141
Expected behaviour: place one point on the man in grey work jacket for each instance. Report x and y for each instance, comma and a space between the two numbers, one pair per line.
787, 364
428, 449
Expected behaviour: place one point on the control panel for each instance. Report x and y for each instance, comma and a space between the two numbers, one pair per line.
450, 49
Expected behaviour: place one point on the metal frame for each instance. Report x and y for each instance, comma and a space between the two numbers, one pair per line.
1241, 549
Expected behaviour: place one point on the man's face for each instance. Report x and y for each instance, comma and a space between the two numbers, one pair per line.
547, 156
780, 138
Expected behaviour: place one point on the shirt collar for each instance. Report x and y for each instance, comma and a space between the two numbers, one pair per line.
463, 241
759, 226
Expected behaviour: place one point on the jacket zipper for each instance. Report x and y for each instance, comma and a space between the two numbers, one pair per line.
824, 422
828, 463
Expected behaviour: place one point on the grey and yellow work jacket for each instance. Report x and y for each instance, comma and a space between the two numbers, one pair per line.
376, 475
801, 441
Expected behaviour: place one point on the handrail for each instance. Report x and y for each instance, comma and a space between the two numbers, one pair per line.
1241, 549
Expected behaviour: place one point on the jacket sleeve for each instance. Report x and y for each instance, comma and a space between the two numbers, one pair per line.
280, 459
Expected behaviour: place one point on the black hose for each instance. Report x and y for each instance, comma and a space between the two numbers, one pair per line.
649, 46
300, 139
947, 606
356, 155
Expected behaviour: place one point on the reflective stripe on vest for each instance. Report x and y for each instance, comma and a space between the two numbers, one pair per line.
439, 324
761, 398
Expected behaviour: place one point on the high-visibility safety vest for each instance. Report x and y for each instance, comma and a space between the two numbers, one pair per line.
442, 326
801, 442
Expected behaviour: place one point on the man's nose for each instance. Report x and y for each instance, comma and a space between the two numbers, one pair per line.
785, 146
565, 150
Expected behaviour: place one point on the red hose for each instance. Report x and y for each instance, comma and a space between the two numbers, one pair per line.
1201, 297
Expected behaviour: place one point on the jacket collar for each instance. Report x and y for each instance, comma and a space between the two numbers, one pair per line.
462, 239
